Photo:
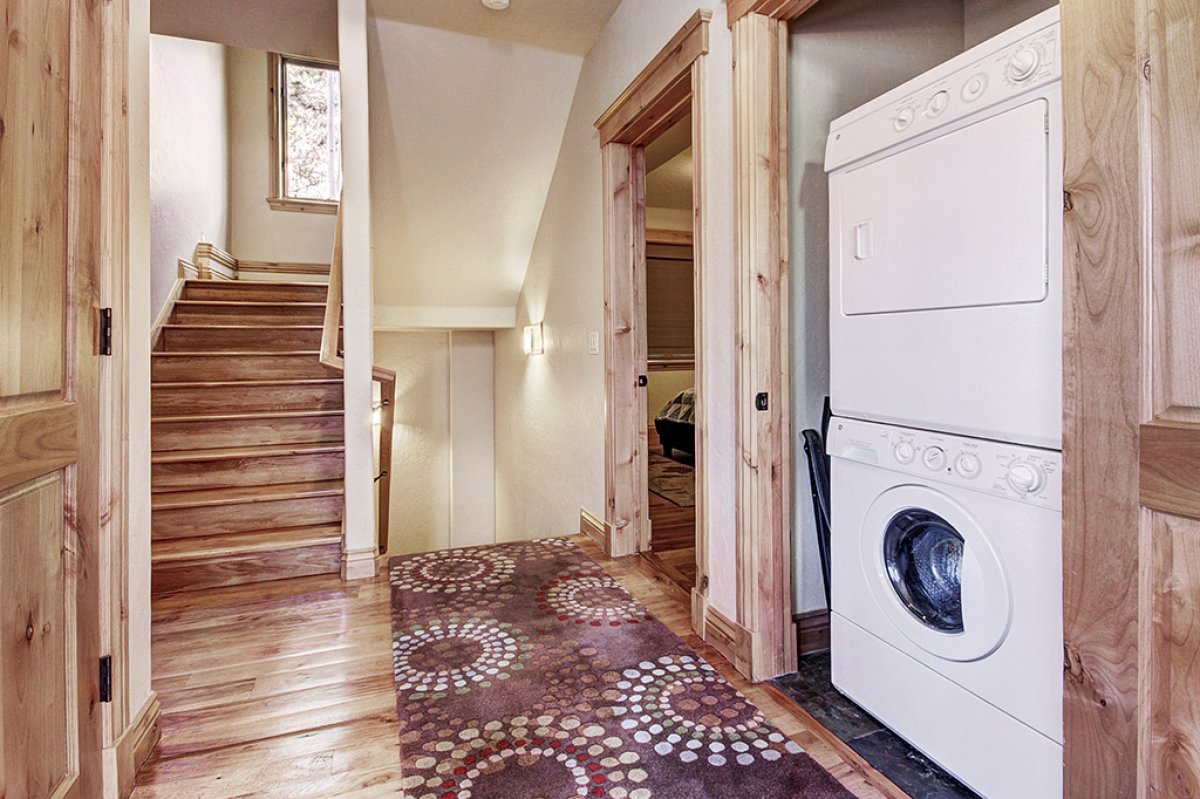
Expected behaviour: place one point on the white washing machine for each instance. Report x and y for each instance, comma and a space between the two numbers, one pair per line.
946, 246
947, 599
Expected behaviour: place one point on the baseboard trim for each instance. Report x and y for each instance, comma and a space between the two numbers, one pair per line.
812, 631
164, 313
731, 639
595, 529
136, 744
358, 564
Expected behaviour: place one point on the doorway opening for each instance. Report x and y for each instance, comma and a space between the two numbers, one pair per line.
669, 321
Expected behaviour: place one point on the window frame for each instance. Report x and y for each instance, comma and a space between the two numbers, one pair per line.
276, 199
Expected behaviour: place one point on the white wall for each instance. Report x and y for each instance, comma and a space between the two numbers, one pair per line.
550, 408
443, 467
464, 136
841, 55
983, 19
189, 155
256, 232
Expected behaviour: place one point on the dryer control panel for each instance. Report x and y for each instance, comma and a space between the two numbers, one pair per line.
1009, 65
1025, 474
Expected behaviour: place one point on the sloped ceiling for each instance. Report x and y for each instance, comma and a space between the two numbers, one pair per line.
465, 134
297, 27
568, 26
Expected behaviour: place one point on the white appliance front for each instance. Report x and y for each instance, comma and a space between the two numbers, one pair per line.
946, 246
947, 599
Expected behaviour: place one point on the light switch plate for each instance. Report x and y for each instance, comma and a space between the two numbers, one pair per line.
593, 343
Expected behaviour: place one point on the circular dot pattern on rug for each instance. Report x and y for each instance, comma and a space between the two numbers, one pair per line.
452, 571
439, 658
539, 757
683, 707
589, 597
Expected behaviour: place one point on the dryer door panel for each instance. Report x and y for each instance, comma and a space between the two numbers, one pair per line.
959, 221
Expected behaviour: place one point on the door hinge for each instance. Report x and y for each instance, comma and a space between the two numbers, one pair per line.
704, 583
106, 678
106, 331
761, 401
642, 381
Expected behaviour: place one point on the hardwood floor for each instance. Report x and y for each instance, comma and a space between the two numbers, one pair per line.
285, 690
672, 534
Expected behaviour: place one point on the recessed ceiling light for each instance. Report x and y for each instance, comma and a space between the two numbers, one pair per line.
496, 5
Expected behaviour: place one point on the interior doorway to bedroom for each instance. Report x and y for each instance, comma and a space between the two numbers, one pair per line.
669, 323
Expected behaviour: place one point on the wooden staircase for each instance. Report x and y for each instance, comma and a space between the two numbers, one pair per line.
247, 437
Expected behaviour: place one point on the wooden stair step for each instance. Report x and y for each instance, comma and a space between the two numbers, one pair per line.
167, 367
251, 428
252, 557
183, 470
215, 546
255, 290
239, 338
195, 398
236, 509
246, 312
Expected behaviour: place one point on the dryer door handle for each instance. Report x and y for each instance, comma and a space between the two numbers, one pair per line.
864, 241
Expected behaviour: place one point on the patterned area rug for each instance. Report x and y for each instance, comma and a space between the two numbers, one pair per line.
524, 671
672, 480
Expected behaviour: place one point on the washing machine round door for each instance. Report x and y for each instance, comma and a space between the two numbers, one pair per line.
935, 573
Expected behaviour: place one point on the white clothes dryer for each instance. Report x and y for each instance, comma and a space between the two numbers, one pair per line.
947, 599
946, 246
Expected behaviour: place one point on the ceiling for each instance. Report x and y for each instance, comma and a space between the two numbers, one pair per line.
568, 26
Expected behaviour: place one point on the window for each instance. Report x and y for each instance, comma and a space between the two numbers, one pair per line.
307, 152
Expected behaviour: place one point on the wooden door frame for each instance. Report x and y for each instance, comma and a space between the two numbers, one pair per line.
669, 88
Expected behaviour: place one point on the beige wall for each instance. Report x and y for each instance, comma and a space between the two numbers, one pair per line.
669, 219
299, 27
661, 388
550, 408
189, 155
983, 19
256, 232
443, 464
841, 55
464, 136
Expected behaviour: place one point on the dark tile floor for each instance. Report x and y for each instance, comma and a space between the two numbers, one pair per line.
811, 688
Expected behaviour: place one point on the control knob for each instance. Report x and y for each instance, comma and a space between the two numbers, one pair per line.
904, 452
1026, 477
937, 103
1024, 64
935, 458
967, 465
904, 117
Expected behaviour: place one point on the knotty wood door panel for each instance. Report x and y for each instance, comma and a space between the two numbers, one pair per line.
1132, 423
50, 151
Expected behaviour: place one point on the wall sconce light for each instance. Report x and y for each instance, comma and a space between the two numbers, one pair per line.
534, 342
377, 412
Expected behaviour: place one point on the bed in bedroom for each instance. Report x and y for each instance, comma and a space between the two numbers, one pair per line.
676, 424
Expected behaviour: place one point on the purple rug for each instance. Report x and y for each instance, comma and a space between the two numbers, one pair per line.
524, 671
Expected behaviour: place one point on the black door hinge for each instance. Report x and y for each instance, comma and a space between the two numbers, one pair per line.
106, 678
643, 381
106, 331
760, 401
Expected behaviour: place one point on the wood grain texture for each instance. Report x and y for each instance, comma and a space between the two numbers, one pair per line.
1170, 468
136, 743
760, 235
254, 291
678, 238
1102, 89
785, 10
625, 347
257, 428
282, 268
35, 441
302, 702
639, 109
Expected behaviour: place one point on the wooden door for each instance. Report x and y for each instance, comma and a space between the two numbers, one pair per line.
49, 516
1132, 424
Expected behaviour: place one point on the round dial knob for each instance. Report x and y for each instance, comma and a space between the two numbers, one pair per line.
937, 103
935, 458
1024, 64
904, 117
974, 88
1026, 477
904, 452
968, 465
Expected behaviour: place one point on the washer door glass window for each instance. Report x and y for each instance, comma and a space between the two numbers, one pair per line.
923, 554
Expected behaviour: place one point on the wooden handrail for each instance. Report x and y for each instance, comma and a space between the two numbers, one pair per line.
331, 356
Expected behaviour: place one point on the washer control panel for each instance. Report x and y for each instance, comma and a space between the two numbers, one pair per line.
1012, 64
1026, 474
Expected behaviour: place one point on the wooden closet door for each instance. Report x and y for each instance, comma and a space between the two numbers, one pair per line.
1132, 425
50, 91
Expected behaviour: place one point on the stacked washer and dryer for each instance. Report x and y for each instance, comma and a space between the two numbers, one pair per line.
946, 386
